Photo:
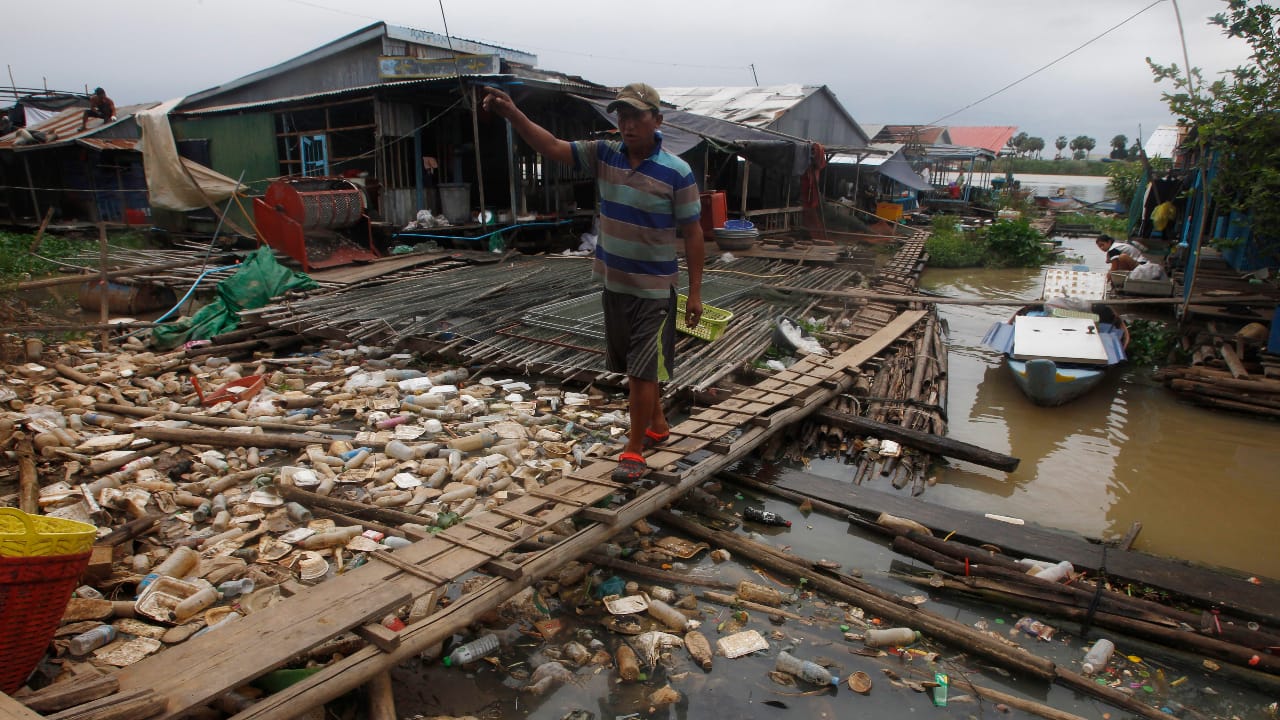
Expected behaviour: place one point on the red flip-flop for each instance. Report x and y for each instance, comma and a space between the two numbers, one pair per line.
631, 467
652, 439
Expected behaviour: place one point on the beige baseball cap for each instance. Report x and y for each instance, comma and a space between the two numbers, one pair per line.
638, 96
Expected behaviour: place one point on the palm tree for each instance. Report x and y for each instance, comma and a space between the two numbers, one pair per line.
1061, 144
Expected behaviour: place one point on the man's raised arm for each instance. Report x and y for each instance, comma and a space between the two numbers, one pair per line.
541, 140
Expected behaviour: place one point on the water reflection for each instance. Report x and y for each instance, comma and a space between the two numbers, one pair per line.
1200, 482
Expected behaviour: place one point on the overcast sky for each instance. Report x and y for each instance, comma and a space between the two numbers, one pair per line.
909, 61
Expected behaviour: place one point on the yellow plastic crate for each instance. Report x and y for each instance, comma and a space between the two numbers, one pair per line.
710, 326
24, 535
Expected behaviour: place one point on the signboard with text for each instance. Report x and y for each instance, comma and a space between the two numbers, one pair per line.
411, 68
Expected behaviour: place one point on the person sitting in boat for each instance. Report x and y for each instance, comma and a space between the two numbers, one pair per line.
1120, 256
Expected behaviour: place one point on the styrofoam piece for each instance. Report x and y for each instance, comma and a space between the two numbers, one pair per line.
743, 643
629, 605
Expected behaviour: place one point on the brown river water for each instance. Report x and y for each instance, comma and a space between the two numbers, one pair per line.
1202, 482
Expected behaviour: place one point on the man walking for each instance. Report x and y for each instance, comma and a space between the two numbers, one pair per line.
648, 200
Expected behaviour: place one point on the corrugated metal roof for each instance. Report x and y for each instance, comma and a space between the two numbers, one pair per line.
870, 156
64, 129
913, 134
991, 137
346, 42
871, 129
541, 79
754, 106
109, 143
1164, 141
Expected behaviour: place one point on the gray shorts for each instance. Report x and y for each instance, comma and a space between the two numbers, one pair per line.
640, 335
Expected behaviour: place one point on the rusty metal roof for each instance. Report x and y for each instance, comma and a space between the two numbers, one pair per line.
913, 135
64, 129
990, 137
109, 143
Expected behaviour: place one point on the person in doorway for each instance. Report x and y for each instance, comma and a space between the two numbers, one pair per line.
1120, 256
648, 200
100, 106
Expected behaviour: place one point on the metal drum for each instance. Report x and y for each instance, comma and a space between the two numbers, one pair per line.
317, 203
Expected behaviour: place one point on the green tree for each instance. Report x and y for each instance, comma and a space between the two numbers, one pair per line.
1061, 144
1081, 145
1035, 145
1135, 150
1020, 143
1118, 151
1237, 117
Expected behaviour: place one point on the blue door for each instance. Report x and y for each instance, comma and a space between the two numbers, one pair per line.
315, 155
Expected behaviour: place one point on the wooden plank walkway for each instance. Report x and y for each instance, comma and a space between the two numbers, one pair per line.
194, 673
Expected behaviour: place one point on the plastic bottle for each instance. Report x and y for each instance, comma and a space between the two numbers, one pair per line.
194, 604
450, 377
1055, 573
180, 562
1098, 656
297, 512
236, 588
403, 451
469, 443
890, 637
810, 672
765, 517
330, 538
424, 401
88, 641
472, 651
669, 616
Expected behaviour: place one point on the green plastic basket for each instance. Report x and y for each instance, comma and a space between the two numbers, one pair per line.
710, 326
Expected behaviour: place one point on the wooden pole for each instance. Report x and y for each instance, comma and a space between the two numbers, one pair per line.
35, 244
98, 467
475, 141
218, 438
212, 421
382, 702
351, 508
1013, 701
931, 623
871, 296
125, 272
31, 185
104, 310
921, 440
28, 478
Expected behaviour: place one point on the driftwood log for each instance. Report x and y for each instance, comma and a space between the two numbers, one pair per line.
920, 440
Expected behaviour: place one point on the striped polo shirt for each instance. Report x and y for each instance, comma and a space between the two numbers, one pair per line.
640, 212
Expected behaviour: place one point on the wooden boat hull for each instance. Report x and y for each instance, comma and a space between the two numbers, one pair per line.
1048, 384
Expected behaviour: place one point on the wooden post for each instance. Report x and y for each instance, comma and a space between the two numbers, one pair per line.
511, 173
382, 703
475, 141
104, 312
746, 175
31, 185
35, 244
28, 479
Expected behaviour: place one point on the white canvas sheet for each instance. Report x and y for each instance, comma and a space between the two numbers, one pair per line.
173, 182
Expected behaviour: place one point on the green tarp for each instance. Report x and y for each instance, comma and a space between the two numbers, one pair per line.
259, 279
